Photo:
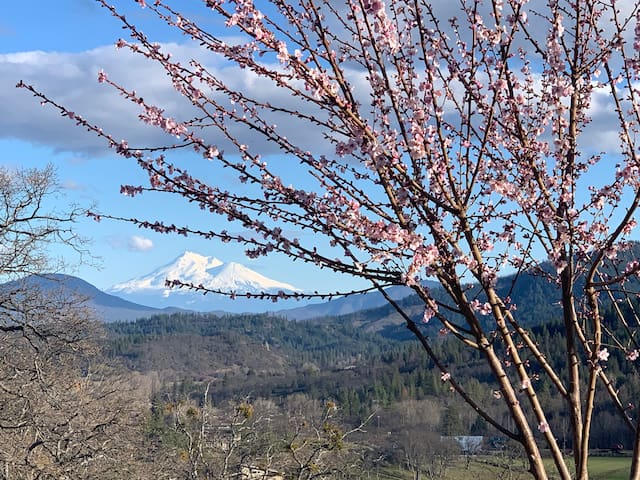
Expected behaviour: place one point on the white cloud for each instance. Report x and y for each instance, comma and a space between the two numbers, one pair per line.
139, 244
70, 79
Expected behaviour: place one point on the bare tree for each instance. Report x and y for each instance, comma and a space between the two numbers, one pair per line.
319, 445
256, 440
408, 434
62, 413
29, 223
420, 139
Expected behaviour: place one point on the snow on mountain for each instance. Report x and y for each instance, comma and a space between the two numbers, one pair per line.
189, 267
236, 277
197, 269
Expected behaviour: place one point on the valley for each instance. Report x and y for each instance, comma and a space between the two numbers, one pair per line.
350, 383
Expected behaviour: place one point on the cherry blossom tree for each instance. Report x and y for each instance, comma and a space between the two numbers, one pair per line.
395, 141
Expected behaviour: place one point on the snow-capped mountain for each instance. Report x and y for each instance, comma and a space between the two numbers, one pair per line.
209, 272
189, 267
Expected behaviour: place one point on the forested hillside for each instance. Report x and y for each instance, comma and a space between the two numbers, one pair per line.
343, 395
365, 372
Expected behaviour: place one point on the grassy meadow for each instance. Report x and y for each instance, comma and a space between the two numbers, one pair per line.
491, 467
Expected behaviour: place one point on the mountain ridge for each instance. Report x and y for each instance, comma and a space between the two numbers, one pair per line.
107, 307
534, 295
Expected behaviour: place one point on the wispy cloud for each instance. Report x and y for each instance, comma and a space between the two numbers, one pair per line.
139, 244
73, 185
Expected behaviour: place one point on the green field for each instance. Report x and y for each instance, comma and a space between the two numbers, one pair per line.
609, 468
481, 468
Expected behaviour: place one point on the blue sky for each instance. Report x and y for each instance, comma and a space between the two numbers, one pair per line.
60, 47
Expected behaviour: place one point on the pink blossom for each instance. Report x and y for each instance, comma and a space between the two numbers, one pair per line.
633, 355
603, 354
211, 153
445, 376
372, 7
497, 394
482, 308
543, 427
629, 226
429, 313
283, 53
636, 31
632, 267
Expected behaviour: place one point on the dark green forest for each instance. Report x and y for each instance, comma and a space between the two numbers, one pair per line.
369, 372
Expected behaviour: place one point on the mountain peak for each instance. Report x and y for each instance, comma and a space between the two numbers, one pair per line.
193, 259
194, 256
198, 269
